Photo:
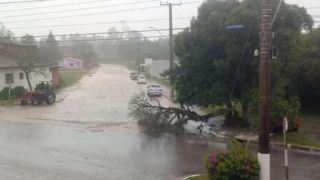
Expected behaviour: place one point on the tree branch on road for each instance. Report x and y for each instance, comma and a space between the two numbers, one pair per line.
157, 118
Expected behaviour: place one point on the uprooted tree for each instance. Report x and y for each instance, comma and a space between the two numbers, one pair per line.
157, 118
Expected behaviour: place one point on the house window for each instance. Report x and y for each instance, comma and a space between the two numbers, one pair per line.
71, 64
21, 76
9, 78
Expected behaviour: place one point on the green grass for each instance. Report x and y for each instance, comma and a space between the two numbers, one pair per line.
202, 177
70, 77
310, 122
297, 138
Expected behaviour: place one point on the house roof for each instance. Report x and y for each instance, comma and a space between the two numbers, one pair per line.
7, 62
71, 59
8, 57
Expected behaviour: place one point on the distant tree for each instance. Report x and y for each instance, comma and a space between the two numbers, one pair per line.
114, 33
6, 36
50, 50
85, 51
308, 83
28, 57
28, 40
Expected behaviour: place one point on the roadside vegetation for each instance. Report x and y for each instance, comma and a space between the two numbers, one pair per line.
70, 77
308, 134
217, 69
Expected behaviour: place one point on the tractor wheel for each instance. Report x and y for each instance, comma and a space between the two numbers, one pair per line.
51, 98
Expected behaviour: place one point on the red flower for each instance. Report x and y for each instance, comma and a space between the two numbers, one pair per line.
213, 157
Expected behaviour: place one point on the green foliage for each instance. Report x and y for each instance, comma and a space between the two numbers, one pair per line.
284, 107
297, 138
4, 93
69, 78
18, 91
236, 163
308, 83
217, 65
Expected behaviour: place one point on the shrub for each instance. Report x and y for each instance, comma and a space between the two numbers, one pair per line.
236, 163
281, 107
18, 92
4, 93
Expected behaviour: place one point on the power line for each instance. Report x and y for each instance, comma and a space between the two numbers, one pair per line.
99, 39
15, 3
99, 23
26, 1
79, 9
58, 5
100, 33
97, 13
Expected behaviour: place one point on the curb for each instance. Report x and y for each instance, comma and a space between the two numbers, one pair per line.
195, 175
290, 146
294, 146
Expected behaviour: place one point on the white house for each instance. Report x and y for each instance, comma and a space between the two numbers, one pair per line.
11, 74
71, 63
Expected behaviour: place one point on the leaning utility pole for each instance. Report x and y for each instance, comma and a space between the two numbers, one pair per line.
170, 42
264, 89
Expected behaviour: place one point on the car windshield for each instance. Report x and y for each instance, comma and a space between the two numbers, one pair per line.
159, 89
155, 86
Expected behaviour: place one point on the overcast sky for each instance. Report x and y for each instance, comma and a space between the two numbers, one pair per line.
22, 18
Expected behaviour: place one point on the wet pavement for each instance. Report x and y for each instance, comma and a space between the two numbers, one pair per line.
89, 135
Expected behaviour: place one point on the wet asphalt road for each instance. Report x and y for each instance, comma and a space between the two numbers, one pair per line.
90, 136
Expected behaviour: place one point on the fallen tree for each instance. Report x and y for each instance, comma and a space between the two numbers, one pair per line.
157, 118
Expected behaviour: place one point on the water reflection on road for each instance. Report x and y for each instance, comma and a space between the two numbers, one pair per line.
90, 136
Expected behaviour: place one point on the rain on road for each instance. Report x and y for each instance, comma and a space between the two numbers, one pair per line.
90, 136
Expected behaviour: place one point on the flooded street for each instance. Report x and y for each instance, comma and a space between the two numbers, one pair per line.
89, 135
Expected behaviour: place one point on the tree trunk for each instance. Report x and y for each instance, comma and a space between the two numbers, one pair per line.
28, 80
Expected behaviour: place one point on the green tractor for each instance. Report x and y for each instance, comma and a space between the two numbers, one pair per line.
43, 93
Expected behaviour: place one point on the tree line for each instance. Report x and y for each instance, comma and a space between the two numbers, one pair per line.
217, 64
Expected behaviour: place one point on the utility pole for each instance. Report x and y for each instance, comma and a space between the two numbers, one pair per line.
264, 89
139, 56
170, 42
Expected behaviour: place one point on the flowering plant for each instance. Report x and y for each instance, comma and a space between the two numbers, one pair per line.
236, 163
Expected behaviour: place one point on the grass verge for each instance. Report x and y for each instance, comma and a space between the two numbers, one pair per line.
70, 77
297, 138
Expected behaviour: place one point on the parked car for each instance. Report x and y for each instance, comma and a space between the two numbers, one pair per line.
134, 76
142, 80
154, 90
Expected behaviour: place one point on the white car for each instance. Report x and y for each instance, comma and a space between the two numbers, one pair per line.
142, 80
154, 90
